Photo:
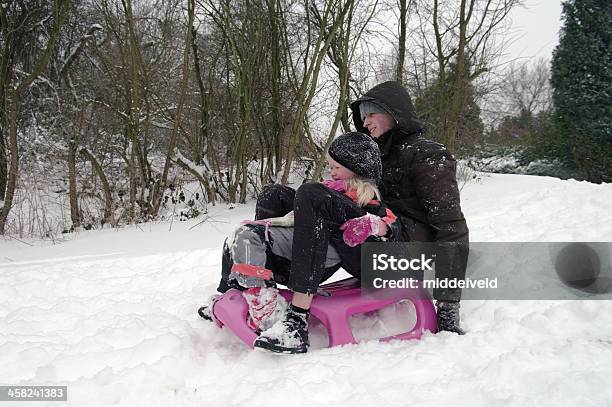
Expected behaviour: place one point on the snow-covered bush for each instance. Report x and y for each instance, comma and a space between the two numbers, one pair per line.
517, 160
184, 201
466, 173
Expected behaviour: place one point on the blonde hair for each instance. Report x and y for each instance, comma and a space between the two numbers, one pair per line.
366, 190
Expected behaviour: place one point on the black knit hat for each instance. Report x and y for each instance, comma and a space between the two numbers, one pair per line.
359, 153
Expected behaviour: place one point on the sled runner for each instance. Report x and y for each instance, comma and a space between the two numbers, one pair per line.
333, 310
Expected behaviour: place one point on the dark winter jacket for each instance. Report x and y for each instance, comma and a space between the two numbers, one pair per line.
419, 175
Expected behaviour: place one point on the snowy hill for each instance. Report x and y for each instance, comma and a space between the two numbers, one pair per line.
112, 315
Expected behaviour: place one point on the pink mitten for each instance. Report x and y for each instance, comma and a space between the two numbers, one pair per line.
357, 230
336, 185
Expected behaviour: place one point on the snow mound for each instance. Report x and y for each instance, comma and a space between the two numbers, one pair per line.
112, 315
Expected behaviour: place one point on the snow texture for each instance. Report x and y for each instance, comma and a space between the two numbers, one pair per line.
112, 315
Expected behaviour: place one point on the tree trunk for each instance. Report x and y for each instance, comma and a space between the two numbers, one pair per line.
199, 147
108, 197
133, 183
6, 67
3, 157
11, 181
75, 215
458, 87
401, 55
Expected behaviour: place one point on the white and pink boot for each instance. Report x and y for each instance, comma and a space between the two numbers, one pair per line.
266, 307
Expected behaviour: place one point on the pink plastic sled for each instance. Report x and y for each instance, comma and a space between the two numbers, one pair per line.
345, 299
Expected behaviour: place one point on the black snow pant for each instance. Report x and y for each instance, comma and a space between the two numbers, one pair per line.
451, 265
319, 211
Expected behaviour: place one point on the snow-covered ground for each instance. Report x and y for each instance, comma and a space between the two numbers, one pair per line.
112, 315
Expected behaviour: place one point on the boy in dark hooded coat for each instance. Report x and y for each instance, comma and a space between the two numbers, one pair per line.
418, 183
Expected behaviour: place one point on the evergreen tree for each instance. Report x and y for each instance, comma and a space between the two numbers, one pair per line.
582, 87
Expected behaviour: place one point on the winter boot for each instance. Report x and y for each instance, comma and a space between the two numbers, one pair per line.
448, 317
266, 307
287, 335
205, 311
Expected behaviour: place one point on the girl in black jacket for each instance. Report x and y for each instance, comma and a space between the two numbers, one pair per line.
322, 229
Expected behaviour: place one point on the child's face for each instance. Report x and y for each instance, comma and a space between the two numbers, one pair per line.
338, 172
378, 123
